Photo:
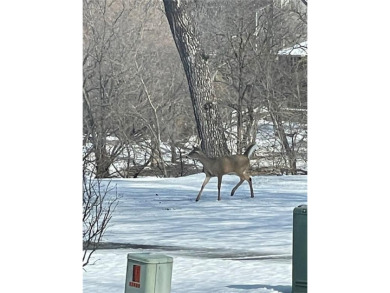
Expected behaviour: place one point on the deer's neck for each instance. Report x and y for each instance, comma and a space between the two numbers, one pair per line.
206, 161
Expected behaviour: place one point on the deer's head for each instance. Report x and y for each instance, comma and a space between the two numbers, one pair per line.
195, 153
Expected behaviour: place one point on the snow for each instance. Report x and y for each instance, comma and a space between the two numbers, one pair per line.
235, 244
297, 50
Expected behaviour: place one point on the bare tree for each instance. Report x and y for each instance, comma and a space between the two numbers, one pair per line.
255, 83
194, 60
160, 89
236, 74
103, 78
280, 84
136, 87
121, 115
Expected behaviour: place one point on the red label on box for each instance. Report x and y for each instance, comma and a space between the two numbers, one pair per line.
136, 273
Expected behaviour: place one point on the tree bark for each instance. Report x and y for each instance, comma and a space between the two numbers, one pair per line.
194, 60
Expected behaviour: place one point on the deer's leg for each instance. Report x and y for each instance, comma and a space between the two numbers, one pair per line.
238, 184
206, 180
219, 187
250, 186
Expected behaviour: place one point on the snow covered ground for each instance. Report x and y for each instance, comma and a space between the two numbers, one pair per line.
236, 245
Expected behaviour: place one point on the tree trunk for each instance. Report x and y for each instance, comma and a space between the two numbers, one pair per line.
194, 60
102, 158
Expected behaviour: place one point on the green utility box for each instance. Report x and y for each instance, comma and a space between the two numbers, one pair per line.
299, 254
148, 273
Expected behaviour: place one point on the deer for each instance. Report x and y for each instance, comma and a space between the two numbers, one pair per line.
219, 166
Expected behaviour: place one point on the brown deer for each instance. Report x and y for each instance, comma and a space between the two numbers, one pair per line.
236, 164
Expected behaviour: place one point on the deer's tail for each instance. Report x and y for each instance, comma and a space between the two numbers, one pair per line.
249, 151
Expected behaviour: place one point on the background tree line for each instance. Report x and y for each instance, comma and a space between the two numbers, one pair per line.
138, 116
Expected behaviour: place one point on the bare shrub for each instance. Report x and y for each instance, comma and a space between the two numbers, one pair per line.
99, 202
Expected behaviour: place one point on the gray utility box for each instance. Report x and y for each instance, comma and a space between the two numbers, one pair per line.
148, 273
299, 257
